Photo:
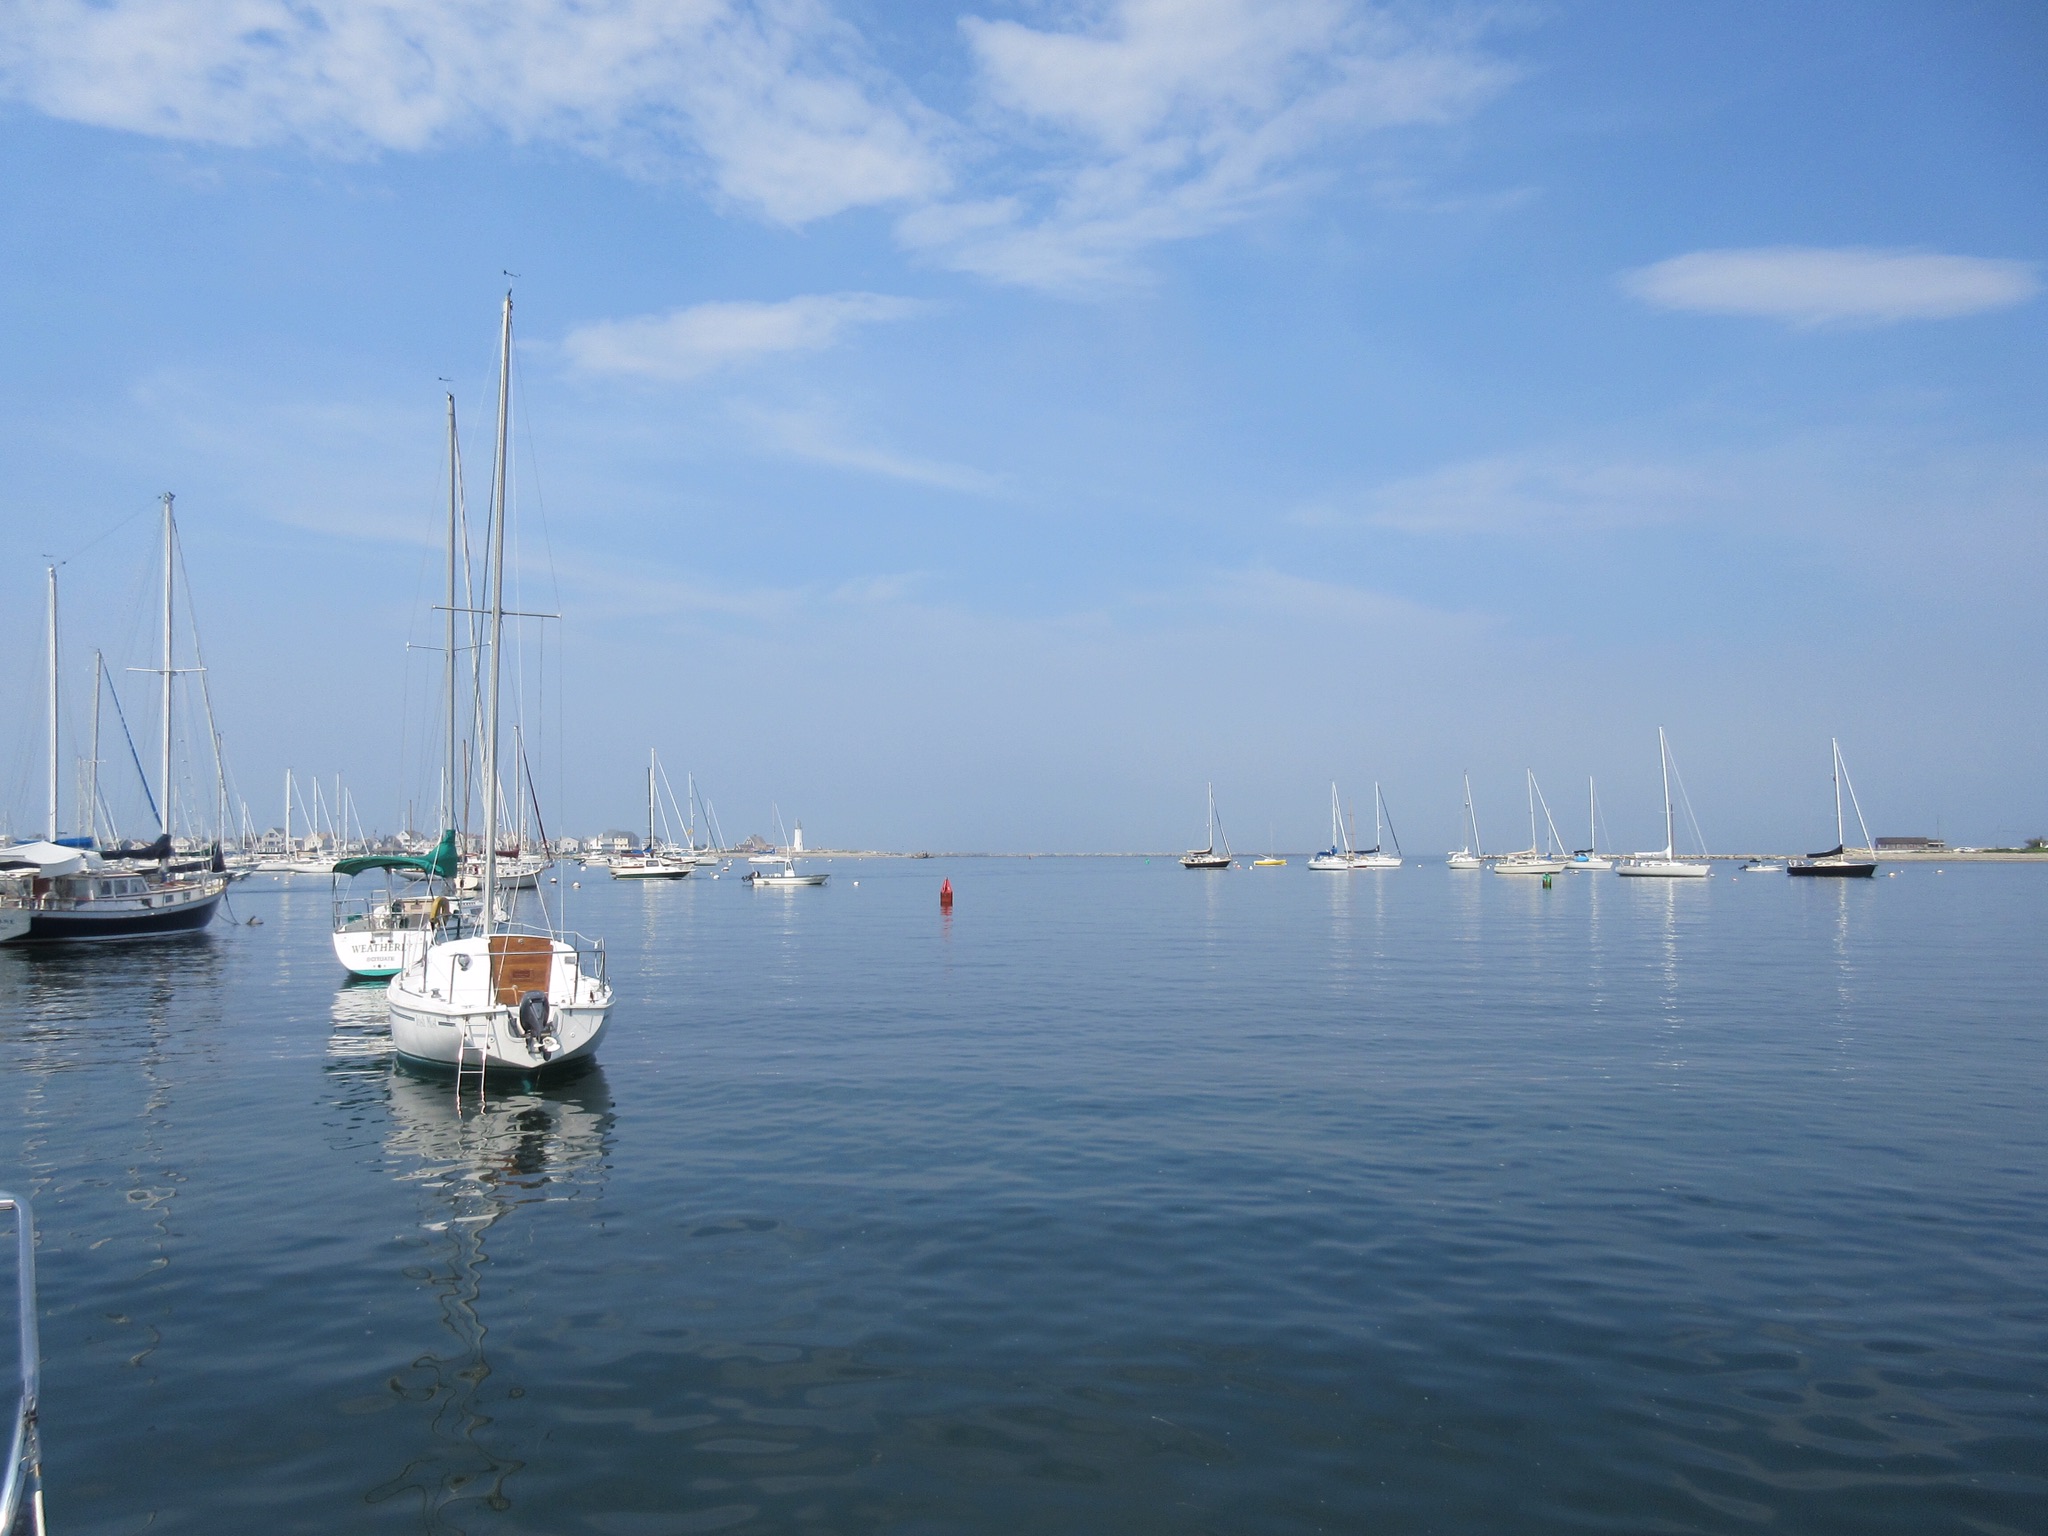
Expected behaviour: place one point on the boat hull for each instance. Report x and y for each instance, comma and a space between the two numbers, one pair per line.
1330, 865
382, 952
1590, 866
429, 1037
93, 922
652, 871
1853, 869
1663, 869
1205, 861
1375, 861
1528, 867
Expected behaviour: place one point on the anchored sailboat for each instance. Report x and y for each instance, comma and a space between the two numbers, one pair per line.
1207, 857
1471, 856
1664, 863
510, 998
51, 892
1839, 861
1534, 860
1373, 858
1589, 857
1338, 857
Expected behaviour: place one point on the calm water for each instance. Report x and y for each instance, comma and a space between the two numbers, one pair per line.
1126, 1200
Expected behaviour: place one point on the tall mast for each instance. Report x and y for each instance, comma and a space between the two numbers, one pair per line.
1664, 758
170, 561
490, 891
650, 800
1531, 772
448, 768
1472, 815
1835, 773
92, 793
52, 817
287, 813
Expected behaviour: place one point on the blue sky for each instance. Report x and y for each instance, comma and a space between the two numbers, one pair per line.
981, 427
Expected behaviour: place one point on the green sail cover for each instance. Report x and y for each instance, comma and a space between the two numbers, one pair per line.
439, 865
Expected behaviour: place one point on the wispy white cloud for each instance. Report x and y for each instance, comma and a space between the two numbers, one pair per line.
688, 343
1534, 494
774, 102
1813, 286
1146, 121
1159, 120
815, 437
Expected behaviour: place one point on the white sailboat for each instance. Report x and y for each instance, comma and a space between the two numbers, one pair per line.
1664, 863
1533, 860
510, 999
382, 933
1472, 855
655, 862
1337, 858
1207, 857
1589, 857
1373, 858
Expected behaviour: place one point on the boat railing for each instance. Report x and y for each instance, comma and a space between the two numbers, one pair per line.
24, 1458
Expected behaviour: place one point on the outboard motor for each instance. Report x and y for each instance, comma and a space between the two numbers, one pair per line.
533, 1023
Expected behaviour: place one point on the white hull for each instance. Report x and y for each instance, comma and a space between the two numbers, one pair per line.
789, 882
1463, 860
381, 951
1763, 869
1591, 866
447, 1013
1375, 861
14, 922
1331, 864
652, 869
1528, 866
1664, 869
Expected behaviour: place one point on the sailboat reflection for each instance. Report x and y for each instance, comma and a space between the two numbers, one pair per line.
471, 1169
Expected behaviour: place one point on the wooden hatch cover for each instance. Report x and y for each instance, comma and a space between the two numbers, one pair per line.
520, 963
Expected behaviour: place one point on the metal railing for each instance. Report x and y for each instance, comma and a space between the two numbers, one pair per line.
24, 1459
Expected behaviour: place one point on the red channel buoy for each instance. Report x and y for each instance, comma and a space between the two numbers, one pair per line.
946, 896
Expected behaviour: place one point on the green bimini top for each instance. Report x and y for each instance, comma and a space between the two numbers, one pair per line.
439, 865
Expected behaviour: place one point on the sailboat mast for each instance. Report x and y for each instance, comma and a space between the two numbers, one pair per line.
1664, 758
1835, 773
1592, 819
170, 560
490, 890
92, 792
52, 817
1531, 773
1472, 816
650, 800
448, 768
1376, 804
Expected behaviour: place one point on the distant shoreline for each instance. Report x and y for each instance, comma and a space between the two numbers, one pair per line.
1903, 856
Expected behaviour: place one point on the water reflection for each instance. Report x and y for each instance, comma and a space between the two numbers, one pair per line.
472, 1169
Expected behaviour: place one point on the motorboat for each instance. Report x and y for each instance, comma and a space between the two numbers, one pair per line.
788, 876
1764, 867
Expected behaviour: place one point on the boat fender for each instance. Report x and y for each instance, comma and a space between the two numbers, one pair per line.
437, 911
533, 1022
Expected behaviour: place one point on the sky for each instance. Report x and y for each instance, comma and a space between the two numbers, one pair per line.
984, 427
